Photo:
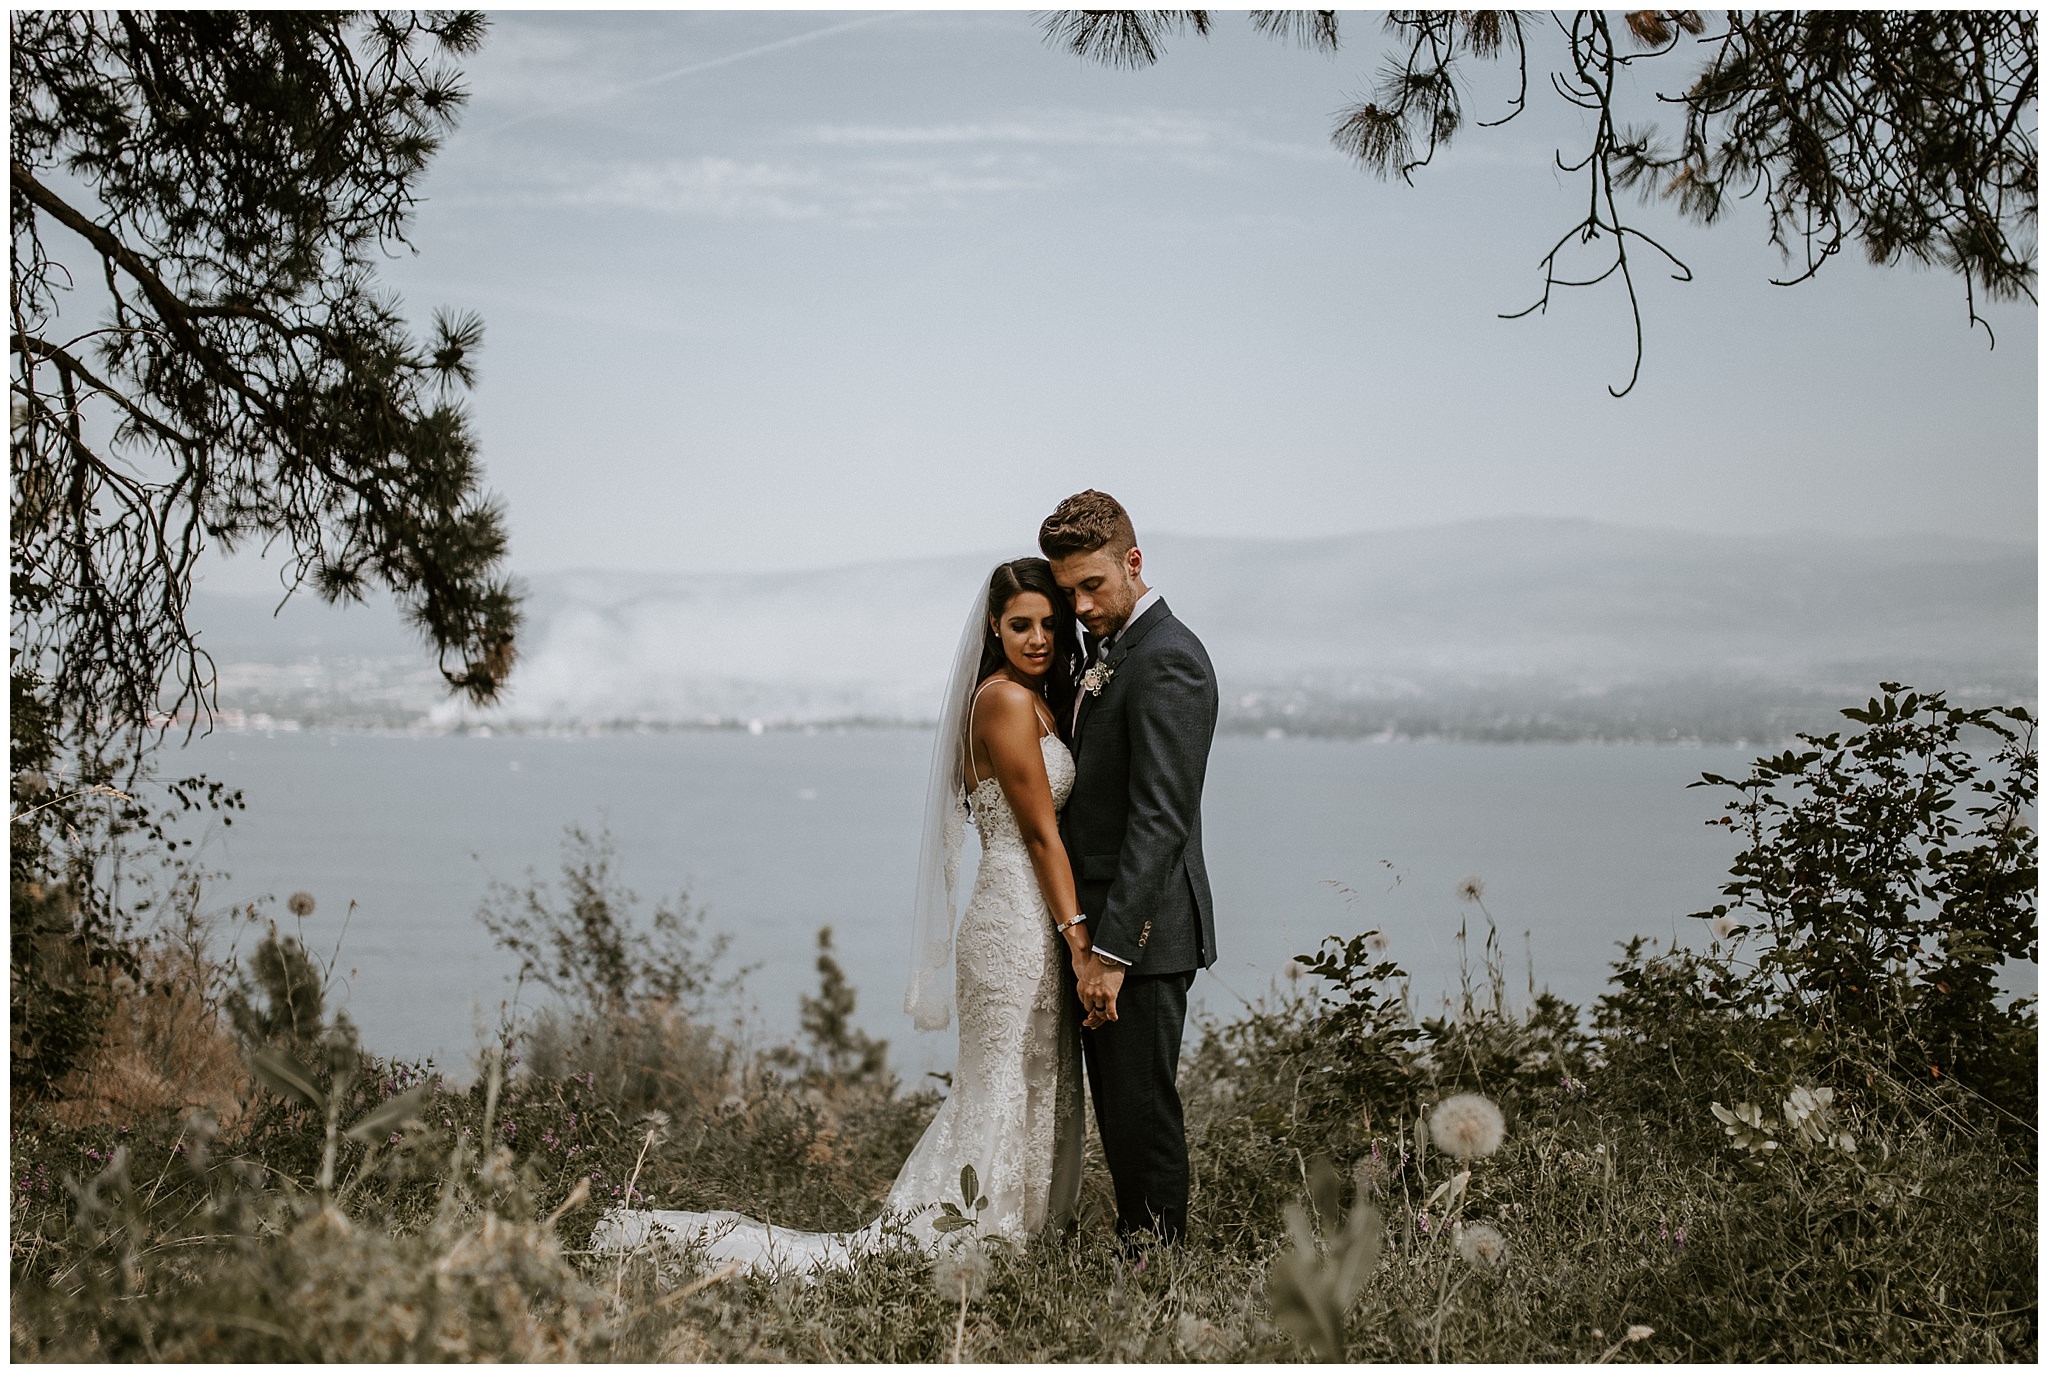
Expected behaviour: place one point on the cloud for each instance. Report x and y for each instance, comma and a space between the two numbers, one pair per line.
707, 187
1152, 132
602, 94
853, 192
868, 174
1065, 128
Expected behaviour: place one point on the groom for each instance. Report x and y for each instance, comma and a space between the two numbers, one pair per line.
1133, 829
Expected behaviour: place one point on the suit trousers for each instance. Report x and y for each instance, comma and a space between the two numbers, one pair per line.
1132, 1064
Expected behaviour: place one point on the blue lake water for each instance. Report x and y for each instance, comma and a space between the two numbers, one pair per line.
1581, 846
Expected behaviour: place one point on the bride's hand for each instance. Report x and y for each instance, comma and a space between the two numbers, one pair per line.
1084, 962
1099, 982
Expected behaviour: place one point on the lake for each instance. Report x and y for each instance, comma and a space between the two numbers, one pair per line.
778, 834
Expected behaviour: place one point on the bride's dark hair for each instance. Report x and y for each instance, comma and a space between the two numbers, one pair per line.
1005, 584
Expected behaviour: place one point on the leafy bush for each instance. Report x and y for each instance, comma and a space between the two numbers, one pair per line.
629, 1001
585, 946
1882, 912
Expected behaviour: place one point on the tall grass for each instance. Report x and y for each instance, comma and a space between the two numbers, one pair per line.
1685, 1171
465, 1234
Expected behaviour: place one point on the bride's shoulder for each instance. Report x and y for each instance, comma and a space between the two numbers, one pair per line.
998, 687
1001, 701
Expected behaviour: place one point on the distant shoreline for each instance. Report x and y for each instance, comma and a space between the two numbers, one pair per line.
235, 723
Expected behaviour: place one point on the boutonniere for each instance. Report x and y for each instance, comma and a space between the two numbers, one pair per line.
1096, 678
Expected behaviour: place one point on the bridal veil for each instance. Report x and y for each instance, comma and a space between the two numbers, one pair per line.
928, 996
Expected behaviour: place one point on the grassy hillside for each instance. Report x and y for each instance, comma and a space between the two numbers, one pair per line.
1814, 1141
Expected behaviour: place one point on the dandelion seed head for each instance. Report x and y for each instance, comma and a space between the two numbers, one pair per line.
961, 1272
1467, 1126
1639, 1333
299, 904
1725, 927
1482, 1247
1471, 888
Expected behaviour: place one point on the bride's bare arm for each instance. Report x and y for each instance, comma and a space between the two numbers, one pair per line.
1006, 726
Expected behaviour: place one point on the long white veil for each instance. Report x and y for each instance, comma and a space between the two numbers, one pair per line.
928, 996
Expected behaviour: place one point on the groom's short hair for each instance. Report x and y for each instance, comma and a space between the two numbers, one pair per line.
1084, 522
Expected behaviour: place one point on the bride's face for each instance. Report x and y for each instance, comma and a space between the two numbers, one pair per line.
1026, 630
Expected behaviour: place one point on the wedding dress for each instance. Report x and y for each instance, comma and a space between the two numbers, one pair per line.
1014, 1112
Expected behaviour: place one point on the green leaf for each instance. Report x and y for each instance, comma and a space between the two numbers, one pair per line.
944, 1225
970, 1186
286, 1077
949, 1209
388, 1118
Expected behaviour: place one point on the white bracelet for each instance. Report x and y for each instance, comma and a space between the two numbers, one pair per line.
1064, 926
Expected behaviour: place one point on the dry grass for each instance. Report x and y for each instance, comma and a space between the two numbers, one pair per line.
1620, 1201
166, 1049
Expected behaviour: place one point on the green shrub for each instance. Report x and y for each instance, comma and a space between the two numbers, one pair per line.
1887, 878
281, 996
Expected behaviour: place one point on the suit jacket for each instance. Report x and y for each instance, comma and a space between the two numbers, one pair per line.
1133, 823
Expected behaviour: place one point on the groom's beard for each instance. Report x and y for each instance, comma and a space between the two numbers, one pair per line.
1115, 628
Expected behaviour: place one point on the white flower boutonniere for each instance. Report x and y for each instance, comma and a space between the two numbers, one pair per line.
1096, 678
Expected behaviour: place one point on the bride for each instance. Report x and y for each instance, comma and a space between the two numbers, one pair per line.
1014, 1114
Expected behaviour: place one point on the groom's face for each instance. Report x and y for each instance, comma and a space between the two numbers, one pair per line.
1102, 586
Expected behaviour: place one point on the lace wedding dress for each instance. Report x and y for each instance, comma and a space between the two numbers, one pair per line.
1015, 1110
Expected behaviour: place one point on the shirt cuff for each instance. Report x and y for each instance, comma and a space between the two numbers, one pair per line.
1115, 958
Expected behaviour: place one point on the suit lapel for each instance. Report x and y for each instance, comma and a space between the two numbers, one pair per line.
1137, 630
1081, 712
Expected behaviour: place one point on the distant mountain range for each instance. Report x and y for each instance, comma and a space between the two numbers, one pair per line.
1504, 629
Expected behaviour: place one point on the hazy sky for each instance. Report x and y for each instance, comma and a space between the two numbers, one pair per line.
772, 289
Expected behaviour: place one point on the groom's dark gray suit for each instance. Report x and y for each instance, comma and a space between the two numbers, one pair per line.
1133, 829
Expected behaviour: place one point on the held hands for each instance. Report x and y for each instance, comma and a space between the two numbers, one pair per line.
1084, 964
1098, 981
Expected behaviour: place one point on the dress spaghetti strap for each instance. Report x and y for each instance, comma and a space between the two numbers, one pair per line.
1044, 728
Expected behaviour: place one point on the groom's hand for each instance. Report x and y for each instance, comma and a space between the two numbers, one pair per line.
1099, 982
